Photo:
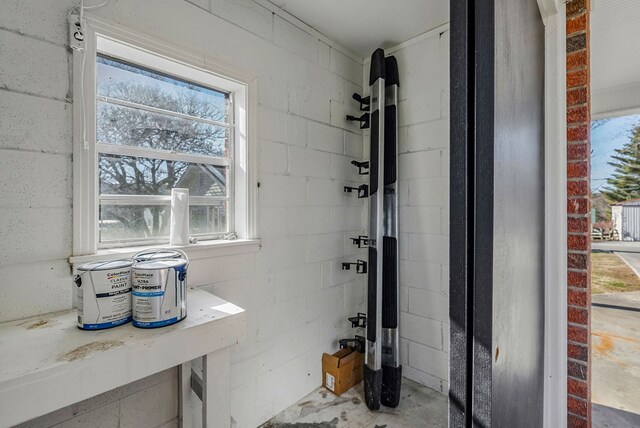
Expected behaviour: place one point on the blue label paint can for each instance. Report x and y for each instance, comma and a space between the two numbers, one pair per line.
159, 292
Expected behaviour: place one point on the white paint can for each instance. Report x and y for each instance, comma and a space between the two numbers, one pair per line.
104, 294
159, 295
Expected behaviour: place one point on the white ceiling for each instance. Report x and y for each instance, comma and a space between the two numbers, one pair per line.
361, 26
615, 43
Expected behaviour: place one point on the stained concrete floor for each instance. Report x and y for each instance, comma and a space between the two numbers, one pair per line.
419, 407
615, 332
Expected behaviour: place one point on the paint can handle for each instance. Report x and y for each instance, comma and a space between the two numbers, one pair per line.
153, 252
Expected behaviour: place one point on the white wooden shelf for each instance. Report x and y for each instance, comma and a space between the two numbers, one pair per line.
47, 363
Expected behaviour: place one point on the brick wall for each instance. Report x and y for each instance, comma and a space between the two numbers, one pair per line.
578, 215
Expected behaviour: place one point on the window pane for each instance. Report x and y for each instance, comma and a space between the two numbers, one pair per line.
128, 222
134, 127
128, 82
208, 219
149, 222
127, 175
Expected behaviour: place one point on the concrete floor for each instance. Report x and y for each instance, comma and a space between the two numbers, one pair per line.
419, 407
615, 331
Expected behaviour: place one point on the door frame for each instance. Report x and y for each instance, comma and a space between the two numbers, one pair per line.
555, 362
462, 246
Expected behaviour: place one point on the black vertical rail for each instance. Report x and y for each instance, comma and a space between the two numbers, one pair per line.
373, 355
461, 210
484, 88
471, 216
391, 367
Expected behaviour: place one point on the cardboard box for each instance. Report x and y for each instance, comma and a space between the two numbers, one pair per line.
342, 370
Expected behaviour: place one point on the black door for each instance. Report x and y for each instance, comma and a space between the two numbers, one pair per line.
497, 214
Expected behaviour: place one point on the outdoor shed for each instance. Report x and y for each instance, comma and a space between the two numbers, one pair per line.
626, 219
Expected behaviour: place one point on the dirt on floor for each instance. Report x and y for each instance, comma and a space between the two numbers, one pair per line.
610, 274
419, 407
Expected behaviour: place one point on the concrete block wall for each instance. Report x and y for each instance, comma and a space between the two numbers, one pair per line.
297, 297
122, 406
424, 215
423, 112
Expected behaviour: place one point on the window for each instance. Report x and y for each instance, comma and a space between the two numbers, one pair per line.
155, 132
151, 121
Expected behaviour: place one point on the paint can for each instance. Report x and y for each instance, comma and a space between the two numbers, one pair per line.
103, 292
159, 296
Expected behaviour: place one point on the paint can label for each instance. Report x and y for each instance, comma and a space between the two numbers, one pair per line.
159, 296
104, 298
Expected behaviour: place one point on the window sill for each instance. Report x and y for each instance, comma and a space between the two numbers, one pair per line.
201, 250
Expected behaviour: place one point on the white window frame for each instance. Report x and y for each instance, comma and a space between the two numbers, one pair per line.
139, 49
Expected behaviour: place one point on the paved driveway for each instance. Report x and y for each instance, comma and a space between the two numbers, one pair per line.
622, 246
632, 259
615, 333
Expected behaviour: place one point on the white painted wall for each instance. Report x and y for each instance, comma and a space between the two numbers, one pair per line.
423, 112
297, 298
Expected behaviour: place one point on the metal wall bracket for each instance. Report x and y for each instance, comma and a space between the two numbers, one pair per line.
363, 190
364, 120
357, 343
361, 167
364, 101
359, 321
361, 241
361, 266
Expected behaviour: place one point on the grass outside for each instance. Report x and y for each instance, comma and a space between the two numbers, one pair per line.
610, 274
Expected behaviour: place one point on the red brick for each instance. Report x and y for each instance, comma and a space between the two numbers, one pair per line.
577, 298
578, 169
578, 133
576, 42
574, 421
578, 188
576, 96
578, 352
578, 225
576, 60
577, 370
576, 7
577, 78
578, 151
578, 388
578, 316
578, 206
578, 334
577, 242
576, 24
577, 261
577, 279
577, 406
578, 115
